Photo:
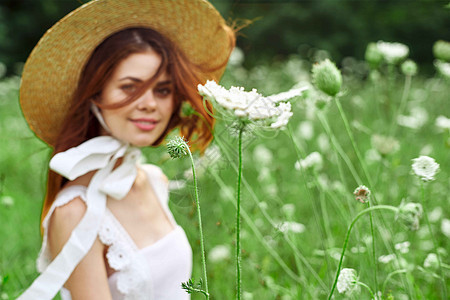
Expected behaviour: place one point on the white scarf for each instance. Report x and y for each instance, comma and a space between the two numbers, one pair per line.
100, 153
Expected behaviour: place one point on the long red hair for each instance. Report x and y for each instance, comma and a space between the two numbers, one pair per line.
81, 125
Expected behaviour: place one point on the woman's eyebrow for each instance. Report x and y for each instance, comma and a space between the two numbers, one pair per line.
131, 78
165, 82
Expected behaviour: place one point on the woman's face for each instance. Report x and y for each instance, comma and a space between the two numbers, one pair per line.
142, 121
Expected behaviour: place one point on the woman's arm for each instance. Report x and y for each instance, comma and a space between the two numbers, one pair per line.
89, 280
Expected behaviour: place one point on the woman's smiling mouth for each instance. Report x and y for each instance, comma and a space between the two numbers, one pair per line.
145, 124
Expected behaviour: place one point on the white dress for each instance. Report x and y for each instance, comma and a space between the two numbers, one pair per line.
154, 272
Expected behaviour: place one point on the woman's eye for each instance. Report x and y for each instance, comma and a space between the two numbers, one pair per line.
128, 88
164, 91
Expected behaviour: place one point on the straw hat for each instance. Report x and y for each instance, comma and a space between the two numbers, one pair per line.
52, 71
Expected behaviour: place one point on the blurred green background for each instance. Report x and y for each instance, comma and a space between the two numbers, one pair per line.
280, 28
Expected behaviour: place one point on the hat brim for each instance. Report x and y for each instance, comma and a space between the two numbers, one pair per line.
51, 72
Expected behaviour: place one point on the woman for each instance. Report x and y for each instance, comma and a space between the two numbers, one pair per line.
107, 79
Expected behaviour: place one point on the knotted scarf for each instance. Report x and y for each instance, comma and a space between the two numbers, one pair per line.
101, 154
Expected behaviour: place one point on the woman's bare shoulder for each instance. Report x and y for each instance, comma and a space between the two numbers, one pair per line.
63, 221
155, 171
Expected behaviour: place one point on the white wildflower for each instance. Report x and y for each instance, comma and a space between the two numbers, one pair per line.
267, 111
403, 247
385, 144
392, 52
431, 261
347, 281
219, 253
385, 259
306, 130
443, 123
262, 155
445, 227
291, 227
443, 68
313, 160
360, 249
417, 118
425, 167
372, 155
362, 194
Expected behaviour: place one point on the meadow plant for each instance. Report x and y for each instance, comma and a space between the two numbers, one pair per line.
441, 50
244, 109
177, 148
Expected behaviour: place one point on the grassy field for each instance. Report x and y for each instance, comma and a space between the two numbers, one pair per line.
294, 221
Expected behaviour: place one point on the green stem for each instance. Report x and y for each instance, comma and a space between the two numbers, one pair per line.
406, 88
367, 210
258, 234
444, 286
271, 251
367, 288
338, 149
199, 224
389, 277
238, 220
366, 173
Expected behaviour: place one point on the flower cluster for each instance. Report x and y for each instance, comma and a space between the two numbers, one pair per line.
392, 52
425, 167
443, 68
431, 261
313, 160
362, 194
410, 214
347, 281
290, 226
271, 111
384, 144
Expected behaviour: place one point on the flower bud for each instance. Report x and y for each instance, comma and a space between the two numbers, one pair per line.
441, 50
410, 214
373, 55
443, 68
409, 68
177, 147
327, 77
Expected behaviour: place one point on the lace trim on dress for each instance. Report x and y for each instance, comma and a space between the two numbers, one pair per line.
124, 257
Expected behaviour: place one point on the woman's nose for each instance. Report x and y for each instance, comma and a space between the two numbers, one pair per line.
147, 100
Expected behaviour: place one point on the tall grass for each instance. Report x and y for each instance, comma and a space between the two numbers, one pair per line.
294, 251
